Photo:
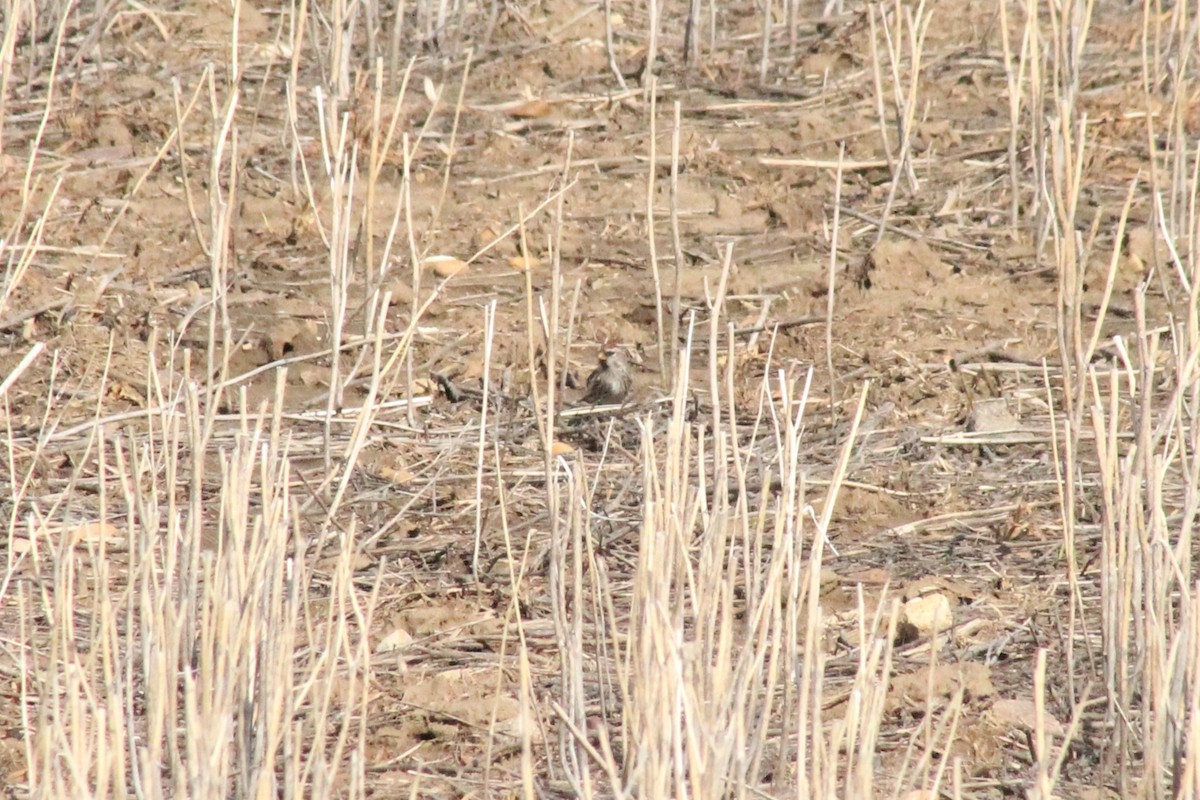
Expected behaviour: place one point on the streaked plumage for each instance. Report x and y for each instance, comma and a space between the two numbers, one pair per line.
610, 382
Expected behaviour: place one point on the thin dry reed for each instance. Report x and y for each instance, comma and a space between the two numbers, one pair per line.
196, 583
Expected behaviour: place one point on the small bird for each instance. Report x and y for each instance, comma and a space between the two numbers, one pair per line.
610, 382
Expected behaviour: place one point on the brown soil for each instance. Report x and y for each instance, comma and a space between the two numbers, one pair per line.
949, 318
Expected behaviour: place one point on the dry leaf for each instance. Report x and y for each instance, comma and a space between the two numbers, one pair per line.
869, 576
830, 579
445, 266
530, 109
474, 370
358, 562
394, 475
18, 546
119, 390
96, 532
399, 639
388, 732
485, 237
522, 263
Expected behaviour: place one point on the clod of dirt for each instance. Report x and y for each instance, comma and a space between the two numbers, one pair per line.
402, 292
111, 132
916, 690
444, 266
992, 416
1020, 713
908, 265
929, 613
1146, 246
396, 641
469, 697
280, 338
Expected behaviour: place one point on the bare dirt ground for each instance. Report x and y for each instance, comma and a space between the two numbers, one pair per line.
951, 320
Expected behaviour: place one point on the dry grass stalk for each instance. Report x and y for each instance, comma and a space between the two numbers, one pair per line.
213, 632
834, 242
912, 25
672, 344
1016, 87
652, 244
1146, 560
